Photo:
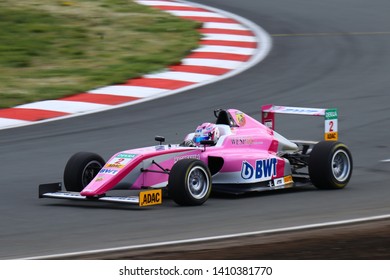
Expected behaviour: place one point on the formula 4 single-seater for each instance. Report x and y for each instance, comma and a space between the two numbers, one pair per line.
235, 154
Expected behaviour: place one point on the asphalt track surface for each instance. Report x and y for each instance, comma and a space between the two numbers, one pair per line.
325, 54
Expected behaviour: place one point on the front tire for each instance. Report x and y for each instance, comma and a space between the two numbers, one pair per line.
189, 182
330, 165
80, 169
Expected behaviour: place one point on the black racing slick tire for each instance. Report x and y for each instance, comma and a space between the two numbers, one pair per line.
80, 169
330, 165
189, 182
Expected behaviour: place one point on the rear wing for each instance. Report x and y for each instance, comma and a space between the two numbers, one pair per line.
330, 117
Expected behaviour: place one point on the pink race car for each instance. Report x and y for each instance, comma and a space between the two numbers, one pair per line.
236, 154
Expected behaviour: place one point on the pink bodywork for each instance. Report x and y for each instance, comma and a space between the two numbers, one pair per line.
249, 153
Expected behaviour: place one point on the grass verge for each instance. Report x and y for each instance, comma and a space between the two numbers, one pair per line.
50, 49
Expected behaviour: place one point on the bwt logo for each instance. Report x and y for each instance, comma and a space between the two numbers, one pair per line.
265, 168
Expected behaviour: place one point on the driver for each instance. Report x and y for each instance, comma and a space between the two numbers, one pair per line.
206, 131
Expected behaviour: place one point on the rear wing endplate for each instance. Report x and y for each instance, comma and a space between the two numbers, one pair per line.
330, 117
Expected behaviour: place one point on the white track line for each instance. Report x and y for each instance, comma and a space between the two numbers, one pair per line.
218, 25
227, 37
195, 14
220, 237
12, 122
181, 76
226, 49
70, 107
228, 64
162, 3
132, 91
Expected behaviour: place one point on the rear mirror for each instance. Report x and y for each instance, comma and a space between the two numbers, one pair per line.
160, 139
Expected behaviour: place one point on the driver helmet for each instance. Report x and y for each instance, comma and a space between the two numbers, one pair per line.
206, 131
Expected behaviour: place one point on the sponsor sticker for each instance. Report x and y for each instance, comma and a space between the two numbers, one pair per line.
124, 155
240, 118
298, 110
279, 182
331, 136
269, 124
99, 179
120, 160
263, 169
176, 159
242, 140
108, 171
331, 114
150, 197
331, 125
114, 165
283, 181
288, 179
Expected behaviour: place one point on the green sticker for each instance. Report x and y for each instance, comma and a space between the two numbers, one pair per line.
123, 155
331, 114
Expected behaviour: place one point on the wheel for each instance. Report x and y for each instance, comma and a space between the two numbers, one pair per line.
330, 165
189, 182
80, 169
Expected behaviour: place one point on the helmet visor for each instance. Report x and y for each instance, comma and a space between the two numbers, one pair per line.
197, 139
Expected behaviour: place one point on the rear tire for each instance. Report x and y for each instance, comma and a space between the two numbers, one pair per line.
189, 182
330, 165
80, 169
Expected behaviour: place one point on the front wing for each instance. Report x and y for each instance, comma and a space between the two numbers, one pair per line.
144, 198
